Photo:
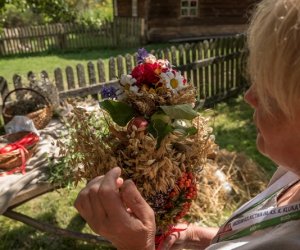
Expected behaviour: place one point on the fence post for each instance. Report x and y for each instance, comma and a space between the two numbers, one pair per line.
92, 77
59, 82
70, 77
120, 65
112, 69
17, 81
174, 56
3, 88
206, 70
80, 75
101, 70
128, 60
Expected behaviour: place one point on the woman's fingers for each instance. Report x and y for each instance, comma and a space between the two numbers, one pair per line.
84, 201
136, 203
110, 196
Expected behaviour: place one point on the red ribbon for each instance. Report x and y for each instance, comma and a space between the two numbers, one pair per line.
160, 239
20, 145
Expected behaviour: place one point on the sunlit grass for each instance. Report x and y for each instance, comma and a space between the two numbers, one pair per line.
234, 130
50, 61
55, 208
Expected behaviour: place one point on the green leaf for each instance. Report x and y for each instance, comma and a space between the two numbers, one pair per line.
185, 127
187, 131
181, 111
120, 112
159, 129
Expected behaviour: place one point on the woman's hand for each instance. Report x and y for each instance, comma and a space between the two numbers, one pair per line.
116, 210
192, 238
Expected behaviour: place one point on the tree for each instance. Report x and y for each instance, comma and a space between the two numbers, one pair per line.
54, 10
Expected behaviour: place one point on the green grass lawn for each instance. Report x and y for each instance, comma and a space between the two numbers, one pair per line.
55, 208
50, 61
233, 126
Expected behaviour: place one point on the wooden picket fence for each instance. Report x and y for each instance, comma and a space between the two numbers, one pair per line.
121, 32
215, 67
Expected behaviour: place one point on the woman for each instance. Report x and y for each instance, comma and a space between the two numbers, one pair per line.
272, 219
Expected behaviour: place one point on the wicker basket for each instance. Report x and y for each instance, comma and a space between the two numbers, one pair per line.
39, 117
13, 159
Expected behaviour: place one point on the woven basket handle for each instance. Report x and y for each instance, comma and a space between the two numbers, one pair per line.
30, 89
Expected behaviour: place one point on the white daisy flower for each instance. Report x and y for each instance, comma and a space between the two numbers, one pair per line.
173, 80
127, 83
165, 64
150, 59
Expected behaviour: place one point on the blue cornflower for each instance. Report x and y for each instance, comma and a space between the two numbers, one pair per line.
142, 54
108, 92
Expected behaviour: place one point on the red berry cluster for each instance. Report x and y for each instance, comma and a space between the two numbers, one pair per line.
186, 193
187, 183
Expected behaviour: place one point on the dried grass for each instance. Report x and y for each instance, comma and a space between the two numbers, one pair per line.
155, 170
214, 203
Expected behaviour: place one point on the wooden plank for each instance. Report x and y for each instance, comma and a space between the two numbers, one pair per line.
212, 70
44, 75
80, 75
31, 77
128, 63
4, 89
232, 62
92, 77
160, 54
187, 48
174, 56
120, 66
206, 69
31, 35
227, 68
195, 71
35, 38
91, 73
112, 68
14, 42
167, 54
201, 72
239, 66
70, 77
45, 227
17, 82
207, 61
59, 82
181, 59
217, 69
222, 67
135, 59
88, 90
101, 70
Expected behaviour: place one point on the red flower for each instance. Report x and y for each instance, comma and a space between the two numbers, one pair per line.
146, 73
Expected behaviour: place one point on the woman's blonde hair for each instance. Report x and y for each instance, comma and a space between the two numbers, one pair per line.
274, 53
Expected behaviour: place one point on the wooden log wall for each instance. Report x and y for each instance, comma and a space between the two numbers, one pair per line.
215, 67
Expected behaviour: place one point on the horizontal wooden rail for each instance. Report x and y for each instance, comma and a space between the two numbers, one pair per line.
208, 61
42, 226
87, 90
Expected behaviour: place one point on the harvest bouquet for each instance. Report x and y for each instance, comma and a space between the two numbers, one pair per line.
150, 129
